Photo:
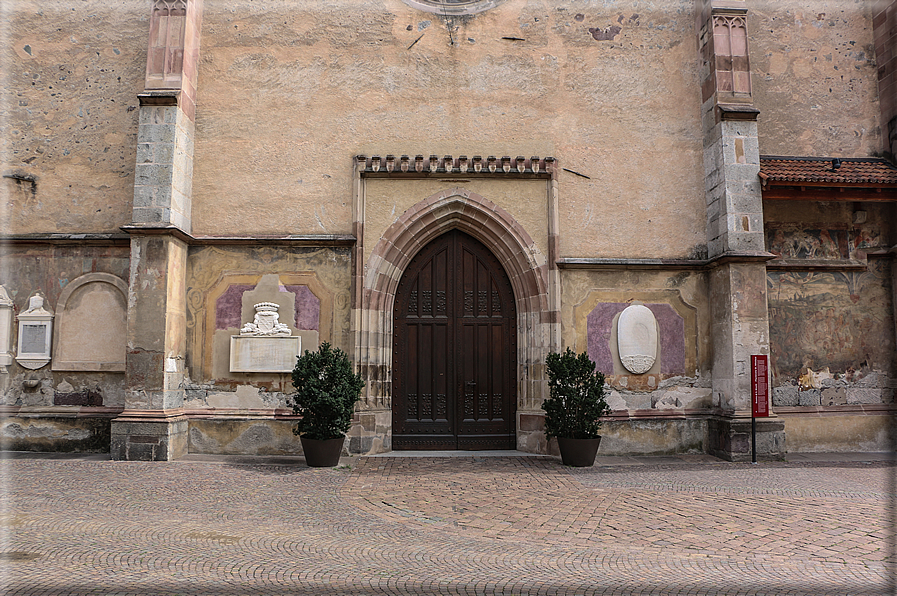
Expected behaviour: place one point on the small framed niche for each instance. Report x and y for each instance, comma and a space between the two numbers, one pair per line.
35, 334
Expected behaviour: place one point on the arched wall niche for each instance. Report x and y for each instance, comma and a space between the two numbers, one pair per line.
538, 327
92, 324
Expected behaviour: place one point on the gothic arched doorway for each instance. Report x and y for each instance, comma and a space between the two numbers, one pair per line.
454, 352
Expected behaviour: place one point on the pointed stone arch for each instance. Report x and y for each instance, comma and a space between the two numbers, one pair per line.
538, 322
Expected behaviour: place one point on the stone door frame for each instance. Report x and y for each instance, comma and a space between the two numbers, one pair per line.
533, 276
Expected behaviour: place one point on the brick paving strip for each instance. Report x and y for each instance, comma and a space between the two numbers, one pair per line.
462, 525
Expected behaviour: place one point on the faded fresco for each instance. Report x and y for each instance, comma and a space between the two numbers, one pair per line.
836, 319
317, 280
791, 241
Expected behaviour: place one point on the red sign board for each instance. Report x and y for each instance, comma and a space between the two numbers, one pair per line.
760, 386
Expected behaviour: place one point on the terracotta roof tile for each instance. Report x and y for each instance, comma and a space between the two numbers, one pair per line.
853, 170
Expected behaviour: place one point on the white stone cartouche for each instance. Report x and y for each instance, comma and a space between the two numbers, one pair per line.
266, 322
637, 338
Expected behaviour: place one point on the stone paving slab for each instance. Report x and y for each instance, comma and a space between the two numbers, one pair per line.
438, 525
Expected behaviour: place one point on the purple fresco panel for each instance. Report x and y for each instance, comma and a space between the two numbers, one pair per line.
672, 338
598, 339
308, 308
229, 306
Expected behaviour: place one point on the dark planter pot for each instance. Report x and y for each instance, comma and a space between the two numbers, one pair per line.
322, 454
579, 453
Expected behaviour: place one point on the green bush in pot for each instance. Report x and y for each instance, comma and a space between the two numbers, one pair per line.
576, 402
326, 393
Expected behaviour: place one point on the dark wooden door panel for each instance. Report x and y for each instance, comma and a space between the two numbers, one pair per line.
453, 376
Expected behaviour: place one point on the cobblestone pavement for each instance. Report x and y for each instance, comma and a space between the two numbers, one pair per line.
462, 525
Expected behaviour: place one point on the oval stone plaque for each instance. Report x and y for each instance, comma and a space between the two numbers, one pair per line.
637, 338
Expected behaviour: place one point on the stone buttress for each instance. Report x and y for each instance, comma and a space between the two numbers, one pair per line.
735, 236
152, 426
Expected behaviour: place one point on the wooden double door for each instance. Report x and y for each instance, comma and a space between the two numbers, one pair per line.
454, 352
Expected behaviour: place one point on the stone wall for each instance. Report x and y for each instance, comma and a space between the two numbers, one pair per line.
49, 269
71, 121
814, 61
315, 284
524, 78
884, 21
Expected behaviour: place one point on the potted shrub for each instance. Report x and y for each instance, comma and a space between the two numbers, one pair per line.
326, 392
575, 406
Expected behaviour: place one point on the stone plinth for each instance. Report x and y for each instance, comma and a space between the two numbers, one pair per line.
730, 438
148, 438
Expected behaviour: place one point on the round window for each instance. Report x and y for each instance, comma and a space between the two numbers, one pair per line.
453, 7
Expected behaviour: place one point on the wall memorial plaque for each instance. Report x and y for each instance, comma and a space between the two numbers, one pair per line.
259, 354
34, 339
35, 331
265, 344
637, 338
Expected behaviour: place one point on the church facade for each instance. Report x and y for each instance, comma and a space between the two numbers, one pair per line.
448, 191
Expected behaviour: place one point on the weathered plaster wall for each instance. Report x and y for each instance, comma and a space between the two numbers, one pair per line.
831, 330
525, 200
55, 432
217, 278
844, 433
48, 269
288, 95
70, 390
654, 437
259, 437
840, 320
72, 74
680, 378
813, 61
